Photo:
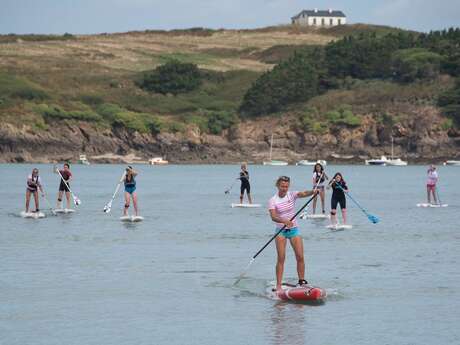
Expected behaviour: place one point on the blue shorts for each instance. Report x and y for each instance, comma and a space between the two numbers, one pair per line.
290, 233
130, 190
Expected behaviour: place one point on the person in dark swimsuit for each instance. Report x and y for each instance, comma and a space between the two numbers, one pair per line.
245, 186
64, 187
339, 188
130, 190
33, 185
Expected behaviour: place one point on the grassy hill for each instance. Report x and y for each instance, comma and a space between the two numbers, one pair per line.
47, 79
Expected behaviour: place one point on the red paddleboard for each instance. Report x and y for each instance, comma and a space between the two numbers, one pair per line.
304, 293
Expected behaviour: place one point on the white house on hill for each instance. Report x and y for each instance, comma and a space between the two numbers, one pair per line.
319, 18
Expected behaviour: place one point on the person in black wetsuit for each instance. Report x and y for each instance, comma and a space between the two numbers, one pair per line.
339, 187
245, 186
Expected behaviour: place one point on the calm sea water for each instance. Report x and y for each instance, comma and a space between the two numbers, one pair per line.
89, 279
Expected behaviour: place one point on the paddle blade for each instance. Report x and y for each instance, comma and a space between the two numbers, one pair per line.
373, 219
76, 201
242, 275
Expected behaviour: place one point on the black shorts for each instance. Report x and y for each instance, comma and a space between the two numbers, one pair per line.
338, 200
247, 187
63, 187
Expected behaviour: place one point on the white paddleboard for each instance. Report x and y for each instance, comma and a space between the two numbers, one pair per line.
246, 205
131, 219
336, 227
431, 205
64, 210
318, 216
35, 215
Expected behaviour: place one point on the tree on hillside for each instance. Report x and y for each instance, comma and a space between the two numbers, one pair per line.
417, 63
173, 77
449, 102
293, 80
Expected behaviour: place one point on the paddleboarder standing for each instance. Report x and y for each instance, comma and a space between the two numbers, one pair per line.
282, 208
64, 185
432, 179
130, 189
245, 185
34, 184
339, 187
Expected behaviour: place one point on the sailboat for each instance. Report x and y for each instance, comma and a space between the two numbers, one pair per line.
395, 161
271, 161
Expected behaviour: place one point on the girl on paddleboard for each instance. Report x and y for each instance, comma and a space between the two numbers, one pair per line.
339, 187
245, 186
432, 179
34, 184
130, 189
319, 178
282, 208
65, 175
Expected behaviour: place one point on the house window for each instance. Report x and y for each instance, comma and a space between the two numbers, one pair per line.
314, 21
331, 21
322, 22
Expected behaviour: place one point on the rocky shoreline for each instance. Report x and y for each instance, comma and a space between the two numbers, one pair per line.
420, 140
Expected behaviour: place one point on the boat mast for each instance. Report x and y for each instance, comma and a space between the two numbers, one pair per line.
271, 147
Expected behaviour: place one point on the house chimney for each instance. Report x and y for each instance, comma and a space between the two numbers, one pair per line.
316, 10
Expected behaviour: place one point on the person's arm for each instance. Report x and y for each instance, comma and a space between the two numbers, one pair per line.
70, 178
277, 219
345, 188
40, 187
306, 193
325, 176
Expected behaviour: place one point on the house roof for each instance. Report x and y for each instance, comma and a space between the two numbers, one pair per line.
317, 13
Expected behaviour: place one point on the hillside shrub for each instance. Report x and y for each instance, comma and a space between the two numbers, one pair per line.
173, 77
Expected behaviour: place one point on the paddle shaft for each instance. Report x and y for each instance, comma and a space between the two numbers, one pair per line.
284, 227
64, 181
118, 187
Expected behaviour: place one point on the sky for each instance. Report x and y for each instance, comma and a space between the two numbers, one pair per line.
98, 16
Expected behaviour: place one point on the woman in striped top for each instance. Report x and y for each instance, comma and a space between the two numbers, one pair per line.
282, 208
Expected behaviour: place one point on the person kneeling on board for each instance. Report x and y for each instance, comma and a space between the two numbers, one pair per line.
33, 185
130, 190
282, 208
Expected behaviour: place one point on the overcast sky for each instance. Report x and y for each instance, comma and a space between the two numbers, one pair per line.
97, 16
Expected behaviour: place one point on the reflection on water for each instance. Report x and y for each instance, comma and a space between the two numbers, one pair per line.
288, 323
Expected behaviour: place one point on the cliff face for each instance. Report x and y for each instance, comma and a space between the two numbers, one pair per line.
418, 139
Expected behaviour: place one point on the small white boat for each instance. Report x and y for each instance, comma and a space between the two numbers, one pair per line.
272, 161
83, 160
382, 161
395, 161
311, 163
158, 161
453, 163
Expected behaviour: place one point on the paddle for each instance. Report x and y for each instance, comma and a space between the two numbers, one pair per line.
372, 218
241, 276
108, 207
231, 186
48, 203
437, 194
76, 201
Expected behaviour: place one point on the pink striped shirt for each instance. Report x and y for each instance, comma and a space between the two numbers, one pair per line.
284, 207
432, 178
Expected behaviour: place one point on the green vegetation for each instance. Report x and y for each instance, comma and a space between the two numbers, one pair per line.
13, 38
292, 81
15, 87
449, 101
174, 77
